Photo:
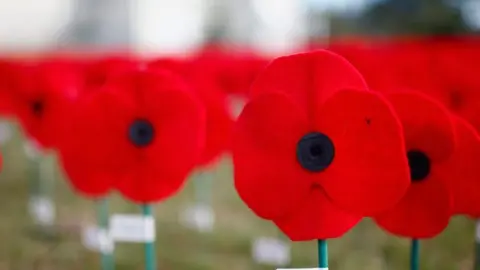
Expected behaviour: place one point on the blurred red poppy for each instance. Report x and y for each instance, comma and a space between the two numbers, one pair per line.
40, 96
368, 58
313, 156
142, 134
455, 81
218, 118
97, 70
464, 170
426, 208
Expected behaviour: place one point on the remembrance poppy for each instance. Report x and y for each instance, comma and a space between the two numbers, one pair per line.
464, 170
218, 119
142, 134
97, 70
426, 208
41, 95
454, 79
308, 152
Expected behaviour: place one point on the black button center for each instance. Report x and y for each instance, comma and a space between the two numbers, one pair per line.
315, 152
141, 132
37, 107
419, 164
456, 100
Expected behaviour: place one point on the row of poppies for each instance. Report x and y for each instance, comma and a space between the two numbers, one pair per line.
315, 148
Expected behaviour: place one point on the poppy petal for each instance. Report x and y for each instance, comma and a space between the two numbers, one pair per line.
427, 125
178, 119
463, 171
86, 180
369, 172
424, 212
317, 218
308, 78
267, 175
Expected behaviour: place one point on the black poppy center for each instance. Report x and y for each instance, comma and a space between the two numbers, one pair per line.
141, 132
37, 107
315, 151
419, 164
456, 100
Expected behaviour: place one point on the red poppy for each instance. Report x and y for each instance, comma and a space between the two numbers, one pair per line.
426, 208
97, 70
306, 149
7, 71
369, 59
142, 134
218, 118
40, 95
454, 80
464, 170
410, 62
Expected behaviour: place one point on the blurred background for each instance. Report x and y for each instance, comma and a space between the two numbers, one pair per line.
178, 27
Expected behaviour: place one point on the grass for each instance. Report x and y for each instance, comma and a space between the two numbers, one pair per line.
22, 247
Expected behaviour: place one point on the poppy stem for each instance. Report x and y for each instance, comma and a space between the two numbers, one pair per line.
415, 255
150, 260
102, 221
477, 246
322, 254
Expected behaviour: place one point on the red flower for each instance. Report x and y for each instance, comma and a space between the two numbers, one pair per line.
142, 134
464, 170
218, 118
96, 71
40, 95
308, 152
454, 80
426, 208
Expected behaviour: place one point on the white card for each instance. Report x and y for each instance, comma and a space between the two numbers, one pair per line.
5, 132
132, 228
42, 210
199, 217
271, 251
97, 239
477, 231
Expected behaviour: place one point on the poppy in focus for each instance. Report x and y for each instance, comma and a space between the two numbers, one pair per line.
312, 154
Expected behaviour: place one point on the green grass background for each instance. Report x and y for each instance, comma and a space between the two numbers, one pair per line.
178, 248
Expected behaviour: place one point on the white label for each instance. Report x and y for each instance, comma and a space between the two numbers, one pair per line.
5, 132
132, 228
42, 210
32, 149
477, 233
199, 217
97, 239
271, 251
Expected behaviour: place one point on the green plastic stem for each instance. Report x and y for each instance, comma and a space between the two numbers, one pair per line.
322, 254
102, 221
415, 255
150, 260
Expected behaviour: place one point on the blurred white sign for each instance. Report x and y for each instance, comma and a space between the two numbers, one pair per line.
199, 217
271, 251
132, 228
97, 239
42, 210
